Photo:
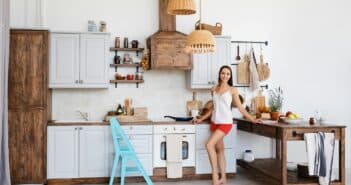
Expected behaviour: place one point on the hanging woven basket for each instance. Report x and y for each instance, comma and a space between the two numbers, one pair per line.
215, 30
181, 7
201, 41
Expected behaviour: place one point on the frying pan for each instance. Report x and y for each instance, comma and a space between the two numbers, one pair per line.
180, 118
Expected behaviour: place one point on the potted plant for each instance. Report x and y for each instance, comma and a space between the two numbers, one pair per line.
275, 102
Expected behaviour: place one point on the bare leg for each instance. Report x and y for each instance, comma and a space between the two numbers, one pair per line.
221, 161
211, 150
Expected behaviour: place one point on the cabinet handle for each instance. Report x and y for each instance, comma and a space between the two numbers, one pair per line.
81, 81
76, 81
76, 128
209, 82
80, 128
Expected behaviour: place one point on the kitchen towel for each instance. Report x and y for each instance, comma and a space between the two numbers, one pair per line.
174, 156
254, 81
320, 154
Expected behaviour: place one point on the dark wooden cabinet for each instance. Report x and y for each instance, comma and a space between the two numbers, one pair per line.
29, 105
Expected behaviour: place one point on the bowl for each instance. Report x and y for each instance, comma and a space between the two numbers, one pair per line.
289, 120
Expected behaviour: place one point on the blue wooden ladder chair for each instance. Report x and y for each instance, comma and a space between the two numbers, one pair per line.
124, 151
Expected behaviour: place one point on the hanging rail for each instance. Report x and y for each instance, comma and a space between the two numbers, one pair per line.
250, 42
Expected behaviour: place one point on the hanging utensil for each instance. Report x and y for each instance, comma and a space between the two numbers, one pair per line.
238, 58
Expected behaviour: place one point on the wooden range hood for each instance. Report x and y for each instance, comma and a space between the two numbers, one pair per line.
167, 46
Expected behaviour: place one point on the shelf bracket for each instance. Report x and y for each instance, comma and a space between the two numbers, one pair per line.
115, 84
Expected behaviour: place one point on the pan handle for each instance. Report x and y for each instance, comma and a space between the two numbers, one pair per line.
170, 117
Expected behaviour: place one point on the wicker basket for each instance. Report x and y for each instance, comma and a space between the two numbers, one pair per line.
215, 30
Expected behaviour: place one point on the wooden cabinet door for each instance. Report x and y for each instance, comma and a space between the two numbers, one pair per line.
64, 60
19, 57
93, 151
27, 145
93, 60
28, 102
62, 154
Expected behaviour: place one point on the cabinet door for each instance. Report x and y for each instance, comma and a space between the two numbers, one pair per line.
203, 165
62, 152
93, 60
93, 151
64, 60
204, 74
200, 75
25, 13
220, 57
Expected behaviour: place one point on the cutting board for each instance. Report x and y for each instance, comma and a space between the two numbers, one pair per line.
259, 102
263, 70
243, 71
193, 105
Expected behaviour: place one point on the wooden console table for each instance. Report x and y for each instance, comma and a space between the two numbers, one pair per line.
275, 168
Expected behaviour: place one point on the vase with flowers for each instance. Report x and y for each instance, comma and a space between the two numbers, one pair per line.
275, 102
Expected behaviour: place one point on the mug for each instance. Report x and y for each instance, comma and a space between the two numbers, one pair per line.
135, 44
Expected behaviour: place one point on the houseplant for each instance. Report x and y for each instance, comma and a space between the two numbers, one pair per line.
275, 102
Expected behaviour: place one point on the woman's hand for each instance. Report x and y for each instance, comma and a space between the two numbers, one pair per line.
196, 120
257, 121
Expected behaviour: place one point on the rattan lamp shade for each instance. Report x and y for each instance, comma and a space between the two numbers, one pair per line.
181, 7
201, 41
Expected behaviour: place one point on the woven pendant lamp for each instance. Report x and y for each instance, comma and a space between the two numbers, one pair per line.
181, 7
200, 41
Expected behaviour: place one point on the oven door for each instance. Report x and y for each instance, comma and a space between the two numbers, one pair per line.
160, 150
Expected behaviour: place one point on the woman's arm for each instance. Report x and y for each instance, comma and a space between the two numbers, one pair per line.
204, 117
241, 107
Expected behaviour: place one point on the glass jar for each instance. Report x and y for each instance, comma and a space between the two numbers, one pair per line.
138, 76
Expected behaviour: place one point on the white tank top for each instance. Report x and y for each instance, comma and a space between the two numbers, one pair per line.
222, 108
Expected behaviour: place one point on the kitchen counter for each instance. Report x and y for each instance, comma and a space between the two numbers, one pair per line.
276, 169
96, 123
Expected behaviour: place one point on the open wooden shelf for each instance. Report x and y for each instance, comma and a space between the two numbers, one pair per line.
124, 65
272, 168
126, 81
137, 82
126, 49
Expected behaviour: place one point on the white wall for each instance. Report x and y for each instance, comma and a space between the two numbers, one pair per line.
307, 54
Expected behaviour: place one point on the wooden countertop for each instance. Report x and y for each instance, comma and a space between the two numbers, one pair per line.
303, 124
73, 123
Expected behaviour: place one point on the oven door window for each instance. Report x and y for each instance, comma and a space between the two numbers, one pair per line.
185, 150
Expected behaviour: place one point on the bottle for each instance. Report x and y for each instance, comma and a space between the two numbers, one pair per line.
117, 42
125, 43
119, 110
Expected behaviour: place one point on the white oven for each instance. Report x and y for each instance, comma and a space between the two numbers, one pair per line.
188, 143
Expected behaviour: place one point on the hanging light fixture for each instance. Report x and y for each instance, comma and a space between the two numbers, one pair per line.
181, 7
200, 41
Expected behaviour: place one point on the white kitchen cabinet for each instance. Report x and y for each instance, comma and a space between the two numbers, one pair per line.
202, 164
78, 151
78, 60
204, 74
93, 151
26, 13
141, 139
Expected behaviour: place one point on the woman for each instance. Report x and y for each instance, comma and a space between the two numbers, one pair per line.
224, 97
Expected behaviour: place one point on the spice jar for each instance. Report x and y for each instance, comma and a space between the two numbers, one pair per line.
138, 76
125, 42
117, 42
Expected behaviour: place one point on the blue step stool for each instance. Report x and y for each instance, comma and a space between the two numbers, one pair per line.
124, 151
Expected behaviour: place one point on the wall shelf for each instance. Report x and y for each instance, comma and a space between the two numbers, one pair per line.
137, 50
125, 65
127, 82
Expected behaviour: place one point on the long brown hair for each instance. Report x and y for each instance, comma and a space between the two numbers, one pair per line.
230, 81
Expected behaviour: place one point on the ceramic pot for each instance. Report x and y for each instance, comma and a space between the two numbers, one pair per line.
275, 115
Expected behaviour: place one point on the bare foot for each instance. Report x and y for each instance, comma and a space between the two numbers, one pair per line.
215, 180
222, 181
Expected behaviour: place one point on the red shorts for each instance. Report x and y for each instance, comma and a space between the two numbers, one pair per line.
225, 128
